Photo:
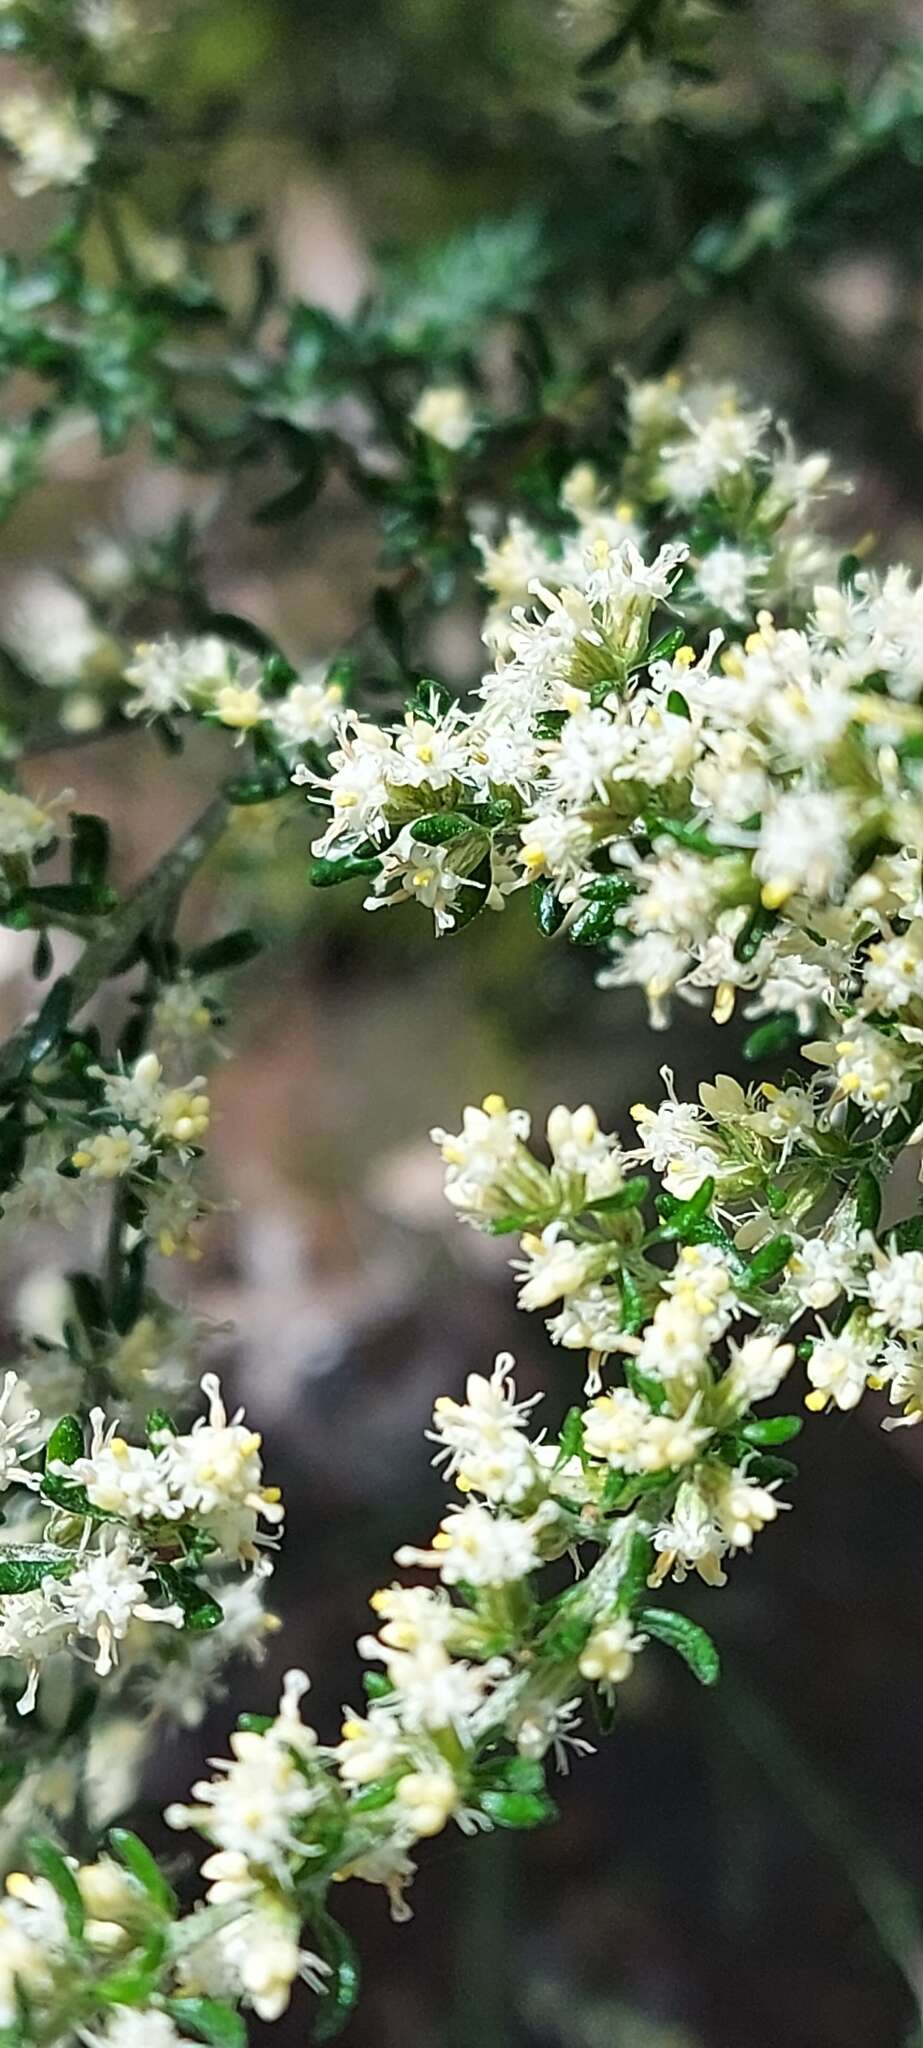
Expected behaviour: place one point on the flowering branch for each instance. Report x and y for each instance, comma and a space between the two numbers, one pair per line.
697, 752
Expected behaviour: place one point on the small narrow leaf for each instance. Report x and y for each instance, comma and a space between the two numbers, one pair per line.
233, 949
210, 2020
142, 1866
690, 1642
50, 1864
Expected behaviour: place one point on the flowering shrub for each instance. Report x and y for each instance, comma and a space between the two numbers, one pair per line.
696, 750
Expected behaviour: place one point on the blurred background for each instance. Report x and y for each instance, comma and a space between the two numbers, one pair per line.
739, 1870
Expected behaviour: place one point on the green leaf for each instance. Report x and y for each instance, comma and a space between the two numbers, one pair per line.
23, 1569
668, 645
208, 2019
375, 1797
66, 1442
767, 1469
200, 1611
328, 874
598, 915
635, 1576
159, 1424
908, 1235
868, 1200
768, 1262
518, 1809
692, 837
645, 1385
571, 1440
389, 619
141, 1865
47, 1859
90, 849
339, 1997
690, 1642
51, 1020
771, 1039
772, 1429
757, 928
631, 1195
470, 901
441, 827
548, 912
440, 297
243, 632
263, 787
233, 949
47, 901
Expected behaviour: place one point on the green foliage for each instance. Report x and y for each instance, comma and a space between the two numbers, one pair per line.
685, 1637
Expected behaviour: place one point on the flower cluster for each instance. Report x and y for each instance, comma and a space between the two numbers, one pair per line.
727, 817
104, 1536
733, 1166
223, 686
697, 745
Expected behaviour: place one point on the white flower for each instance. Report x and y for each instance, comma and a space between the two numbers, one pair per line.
307, 712
724, 577
621, 1429
120, 1478
170, 675
895, 1285
867, 1066
655, 963
215, 1473
359, 784
129, 2028
579, 1147
25, 827
821, 1268
428, 1799
609, 1653
33, 1627
12, 1432
475, 1547
159, 674
49, 138
421, 873
510, 567
112, 1154
554, 1266
690, 1540
443, 412
28, 1954
804, 845
263, 1792
756, 1371
369, 1749
741, 1507
485, 1157
482, 1441
432, 1690
838, 1368
412, 1616
181, 1015
894, 971
715, 447
106, 1592
676, 1141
